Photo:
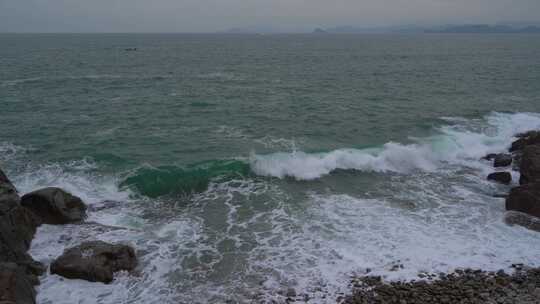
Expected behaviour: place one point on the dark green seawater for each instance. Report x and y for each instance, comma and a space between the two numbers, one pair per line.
244, 165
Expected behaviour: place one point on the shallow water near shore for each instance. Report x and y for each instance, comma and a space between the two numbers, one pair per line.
242, 166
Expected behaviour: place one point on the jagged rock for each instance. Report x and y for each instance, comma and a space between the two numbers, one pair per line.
15, 286
525, 198
501, 177
55, 206
17, 228
502, 160
525, 139
8, 194
95, 261
530, 165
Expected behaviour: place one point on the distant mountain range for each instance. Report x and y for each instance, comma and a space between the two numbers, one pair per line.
484, 28
468, 28
509, 28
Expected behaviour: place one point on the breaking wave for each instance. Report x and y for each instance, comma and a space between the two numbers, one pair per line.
461, 143
157, 181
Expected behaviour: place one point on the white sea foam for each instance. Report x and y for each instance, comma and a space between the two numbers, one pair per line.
15, 82
248, 240
452, 144
8, 151
74, 177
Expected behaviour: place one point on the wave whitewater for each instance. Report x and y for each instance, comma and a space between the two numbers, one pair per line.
461, 143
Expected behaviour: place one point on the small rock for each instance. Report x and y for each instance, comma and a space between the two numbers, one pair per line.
55, 206
502, 160
95, 261
501, 177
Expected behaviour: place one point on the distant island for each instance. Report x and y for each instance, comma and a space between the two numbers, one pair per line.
466, 28
485, 28
319, 31
501, 28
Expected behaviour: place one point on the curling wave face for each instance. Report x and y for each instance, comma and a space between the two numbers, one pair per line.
453, 144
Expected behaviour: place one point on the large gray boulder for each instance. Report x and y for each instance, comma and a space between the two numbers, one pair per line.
15, 287
525, 198
525, 139
94, 261
530, 165
55, 206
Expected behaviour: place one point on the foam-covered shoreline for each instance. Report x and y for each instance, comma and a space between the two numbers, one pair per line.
434, 218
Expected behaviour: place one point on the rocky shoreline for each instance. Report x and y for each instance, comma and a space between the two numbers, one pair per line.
20, 217
463, 286
477, 286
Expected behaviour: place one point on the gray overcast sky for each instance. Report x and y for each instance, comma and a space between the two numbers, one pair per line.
217, 15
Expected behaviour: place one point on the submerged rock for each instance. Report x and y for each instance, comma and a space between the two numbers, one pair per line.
55, 206
501, 177
525, 198
502, 160
103, 205
95, 261
530, 165
490, 156
15, 287
525, 139
522, 219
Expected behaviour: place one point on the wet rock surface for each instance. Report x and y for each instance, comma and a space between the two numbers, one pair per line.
462, 286
525, 198
522, 219
8, 194
530, 165
94, 261
17, 229
502, 160
15, 286
55, 206
500, 177
18, 271
525, 139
